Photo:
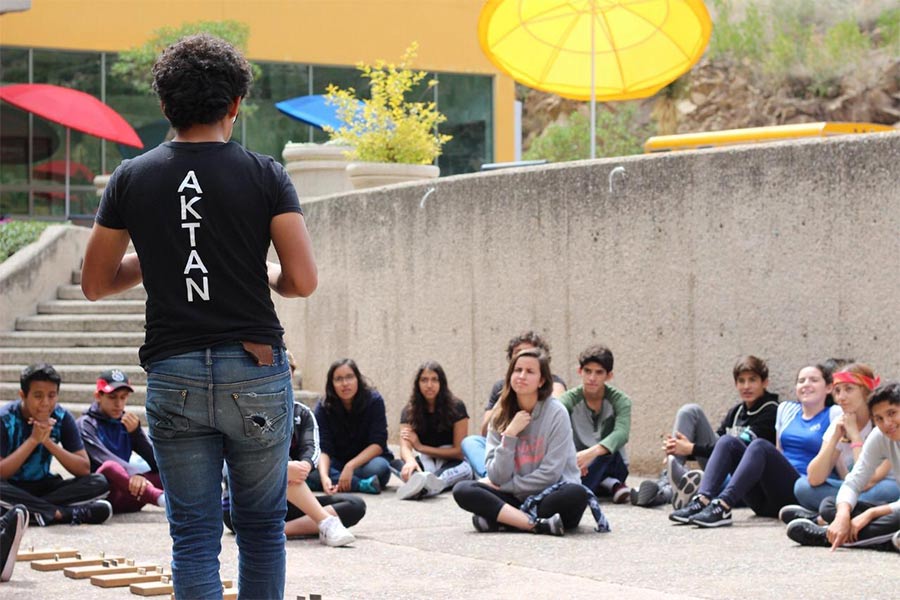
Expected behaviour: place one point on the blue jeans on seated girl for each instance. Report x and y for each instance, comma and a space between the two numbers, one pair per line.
205, 408
377, 467
883, 492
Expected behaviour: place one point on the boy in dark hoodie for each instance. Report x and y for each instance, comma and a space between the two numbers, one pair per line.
693, 436
110, 435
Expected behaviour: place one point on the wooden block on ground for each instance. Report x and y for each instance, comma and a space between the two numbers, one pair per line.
64, 563
85, 572
227, 594
126, 579
160, 589
32, 554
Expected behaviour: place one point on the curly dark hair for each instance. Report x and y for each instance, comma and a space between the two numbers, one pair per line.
443, 404
198, 77
530, 337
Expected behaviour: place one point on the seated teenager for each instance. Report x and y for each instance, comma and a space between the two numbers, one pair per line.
33, 431
693, 437
353, 434
762, 473
110, 435
601, 423
473, 445
854, 523
308, 514
432, 427
841, 448
532, 483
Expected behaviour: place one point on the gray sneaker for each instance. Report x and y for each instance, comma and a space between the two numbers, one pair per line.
414, 488
687, 486
434, 485
550, 526
896, 541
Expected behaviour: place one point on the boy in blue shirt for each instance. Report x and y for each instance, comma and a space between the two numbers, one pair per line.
33, 431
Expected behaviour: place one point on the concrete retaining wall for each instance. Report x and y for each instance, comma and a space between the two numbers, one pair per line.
32, 274
679, 262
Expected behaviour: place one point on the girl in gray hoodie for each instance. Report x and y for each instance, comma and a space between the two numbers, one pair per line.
529, 449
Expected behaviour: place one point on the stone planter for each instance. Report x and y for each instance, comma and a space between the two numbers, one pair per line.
372, 174
317, 169
100, 182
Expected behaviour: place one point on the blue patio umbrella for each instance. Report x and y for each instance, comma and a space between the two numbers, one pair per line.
312, 110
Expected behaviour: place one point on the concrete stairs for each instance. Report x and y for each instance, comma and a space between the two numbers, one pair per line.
80, 339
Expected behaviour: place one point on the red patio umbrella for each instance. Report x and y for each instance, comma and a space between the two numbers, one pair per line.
73, 110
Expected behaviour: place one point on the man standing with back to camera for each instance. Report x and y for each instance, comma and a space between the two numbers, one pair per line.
201, 212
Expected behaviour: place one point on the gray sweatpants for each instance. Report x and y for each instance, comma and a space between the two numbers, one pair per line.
692, 422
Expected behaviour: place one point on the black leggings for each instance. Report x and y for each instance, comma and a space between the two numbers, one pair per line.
569, 501
350, 509
876, 535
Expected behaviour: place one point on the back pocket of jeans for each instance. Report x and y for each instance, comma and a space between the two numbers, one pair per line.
263, 416
165, 412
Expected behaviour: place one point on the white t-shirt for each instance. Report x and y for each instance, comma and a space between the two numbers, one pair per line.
845, 461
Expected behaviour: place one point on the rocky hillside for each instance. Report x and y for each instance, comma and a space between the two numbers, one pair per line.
773, 62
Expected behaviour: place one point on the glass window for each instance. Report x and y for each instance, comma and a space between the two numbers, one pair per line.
467, 102
264, 128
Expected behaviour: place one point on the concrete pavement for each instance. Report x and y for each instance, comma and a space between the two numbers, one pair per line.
428, 549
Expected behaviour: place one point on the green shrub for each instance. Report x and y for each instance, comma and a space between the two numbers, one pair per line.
15, 235
888, 23
618, 134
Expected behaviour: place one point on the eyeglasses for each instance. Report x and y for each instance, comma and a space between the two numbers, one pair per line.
345, 379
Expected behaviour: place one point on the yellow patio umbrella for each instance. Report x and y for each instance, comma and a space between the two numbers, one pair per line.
594, 49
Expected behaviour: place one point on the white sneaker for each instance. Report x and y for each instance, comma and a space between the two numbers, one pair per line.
412, 489
333, 533
434, 485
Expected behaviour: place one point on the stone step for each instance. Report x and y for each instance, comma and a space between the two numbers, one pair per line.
75, 393
78, 408
116, 323
78, 373
86, 307
35, 339
99, 357
73, 292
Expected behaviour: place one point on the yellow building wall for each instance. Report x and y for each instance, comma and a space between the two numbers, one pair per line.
322, 32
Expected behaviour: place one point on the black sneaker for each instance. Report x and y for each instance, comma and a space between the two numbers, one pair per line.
807, 533
685, 488
12, 527
482, 525
95, 513
714, 515
683, 515
549, 526
650, 493
792, 512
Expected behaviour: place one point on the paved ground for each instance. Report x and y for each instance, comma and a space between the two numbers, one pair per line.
428, 549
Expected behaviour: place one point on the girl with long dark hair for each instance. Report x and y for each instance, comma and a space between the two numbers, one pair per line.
353, 434
432, 426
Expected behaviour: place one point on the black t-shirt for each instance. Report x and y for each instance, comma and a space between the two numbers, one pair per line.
431, 436
199, 216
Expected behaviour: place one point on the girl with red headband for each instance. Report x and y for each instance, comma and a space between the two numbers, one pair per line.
841, 449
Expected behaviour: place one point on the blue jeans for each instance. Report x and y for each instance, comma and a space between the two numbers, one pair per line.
883, 492
205, 408
378, 466
609, 465
473, 451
